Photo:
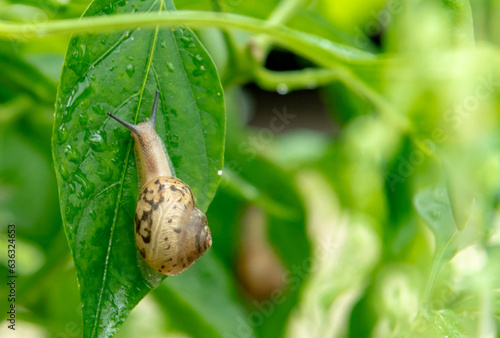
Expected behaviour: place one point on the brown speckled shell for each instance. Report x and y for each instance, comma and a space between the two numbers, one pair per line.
170, 232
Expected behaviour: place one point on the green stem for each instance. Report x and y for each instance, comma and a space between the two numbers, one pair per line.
312, 77
295, 79
436, 268
321, 51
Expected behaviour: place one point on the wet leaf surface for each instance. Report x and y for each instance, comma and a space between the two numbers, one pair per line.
120, 72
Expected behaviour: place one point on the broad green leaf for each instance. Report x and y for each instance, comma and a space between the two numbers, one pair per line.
24, 165
212, 314
286, 231
18, 75
120, 72
286, 223
224, 210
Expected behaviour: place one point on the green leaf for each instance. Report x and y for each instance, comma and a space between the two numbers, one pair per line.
460, 13
23, 166
186, 297
433, 205
286, 224
120, 72
258, 180
20, 75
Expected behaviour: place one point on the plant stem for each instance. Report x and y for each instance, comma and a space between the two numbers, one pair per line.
436, 268
321, 51
295, 79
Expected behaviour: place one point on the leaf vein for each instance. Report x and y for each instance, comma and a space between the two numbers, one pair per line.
106, 266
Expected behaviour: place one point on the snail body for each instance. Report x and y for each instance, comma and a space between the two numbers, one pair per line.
171, 233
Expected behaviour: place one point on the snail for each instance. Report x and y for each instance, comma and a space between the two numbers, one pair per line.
170, 231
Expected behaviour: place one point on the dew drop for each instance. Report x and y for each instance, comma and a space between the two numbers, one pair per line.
98, 109
282, 89
62, 135
436, 213
219, 172
96, 138
71, 154
198, 72
87, 187
105, 172
63, 170
71, 212
130, 70
96, 141
186, 39
82, 90
83, 118
83, 50
109, 9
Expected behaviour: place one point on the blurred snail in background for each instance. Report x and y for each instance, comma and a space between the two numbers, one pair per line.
170, 231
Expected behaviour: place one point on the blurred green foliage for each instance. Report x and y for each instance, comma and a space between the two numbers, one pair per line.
386, 226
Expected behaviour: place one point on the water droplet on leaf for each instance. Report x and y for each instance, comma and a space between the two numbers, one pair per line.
62, 136
282, 89
130, 70
71, 154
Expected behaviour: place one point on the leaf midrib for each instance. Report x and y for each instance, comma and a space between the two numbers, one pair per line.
122, 180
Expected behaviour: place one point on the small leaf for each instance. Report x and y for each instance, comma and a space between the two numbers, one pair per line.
120, 72
433, 205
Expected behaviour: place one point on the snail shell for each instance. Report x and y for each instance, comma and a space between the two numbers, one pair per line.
170, 231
